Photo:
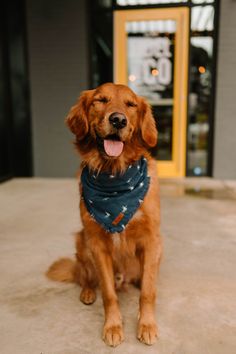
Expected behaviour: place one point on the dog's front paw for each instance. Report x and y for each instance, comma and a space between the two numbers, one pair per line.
147, 333
113, 335
88, 296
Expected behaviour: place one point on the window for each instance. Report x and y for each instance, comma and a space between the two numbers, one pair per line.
148, 2
200, 88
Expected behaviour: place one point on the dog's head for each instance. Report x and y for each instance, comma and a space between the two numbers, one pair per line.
113, 126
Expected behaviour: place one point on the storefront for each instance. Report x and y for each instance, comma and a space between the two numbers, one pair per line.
165, 50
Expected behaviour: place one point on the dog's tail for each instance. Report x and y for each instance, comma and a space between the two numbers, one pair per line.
63, 270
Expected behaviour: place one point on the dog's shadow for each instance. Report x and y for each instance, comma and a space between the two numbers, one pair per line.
29, 297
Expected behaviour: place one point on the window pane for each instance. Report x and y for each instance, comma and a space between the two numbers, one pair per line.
201, 52
150, 51
147, 2
202, 18
202, 1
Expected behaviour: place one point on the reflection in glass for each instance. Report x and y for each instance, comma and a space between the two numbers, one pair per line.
151, 72
147, 2
202, 18
164, 123
200, 88
202, 1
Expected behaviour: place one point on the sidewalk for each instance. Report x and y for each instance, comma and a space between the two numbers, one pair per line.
196, 309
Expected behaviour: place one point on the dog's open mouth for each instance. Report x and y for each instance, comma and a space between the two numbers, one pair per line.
111, 144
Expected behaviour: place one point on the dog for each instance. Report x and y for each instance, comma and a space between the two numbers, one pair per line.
120, 242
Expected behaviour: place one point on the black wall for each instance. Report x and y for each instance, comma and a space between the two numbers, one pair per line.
15, 126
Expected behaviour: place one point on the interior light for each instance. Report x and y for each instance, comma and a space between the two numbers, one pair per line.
202, 69
197, 171
132, 78
155, 72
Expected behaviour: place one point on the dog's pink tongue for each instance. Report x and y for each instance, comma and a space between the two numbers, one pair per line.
113, 147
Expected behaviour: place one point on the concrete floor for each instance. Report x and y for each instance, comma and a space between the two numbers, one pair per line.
196, 309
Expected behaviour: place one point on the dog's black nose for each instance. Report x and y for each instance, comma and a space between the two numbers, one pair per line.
118, 120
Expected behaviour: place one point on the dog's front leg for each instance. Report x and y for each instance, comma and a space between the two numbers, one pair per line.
149, 255
112, 331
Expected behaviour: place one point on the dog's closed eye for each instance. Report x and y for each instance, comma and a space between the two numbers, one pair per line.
131, 104
101, 99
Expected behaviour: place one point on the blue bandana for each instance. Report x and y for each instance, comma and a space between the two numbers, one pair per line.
113, 200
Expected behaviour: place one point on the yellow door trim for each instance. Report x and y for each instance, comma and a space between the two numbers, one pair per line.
176, 166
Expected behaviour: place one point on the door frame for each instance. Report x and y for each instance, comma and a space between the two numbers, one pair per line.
177, 166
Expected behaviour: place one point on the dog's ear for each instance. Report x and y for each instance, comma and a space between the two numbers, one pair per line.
147, 125
77, 119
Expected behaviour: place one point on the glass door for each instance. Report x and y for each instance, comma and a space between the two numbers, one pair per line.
151, 57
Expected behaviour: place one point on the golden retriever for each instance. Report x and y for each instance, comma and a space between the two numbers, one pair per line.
114, 129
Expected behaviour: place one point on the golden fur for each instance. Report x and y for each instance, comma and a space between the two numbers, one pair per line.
133, 256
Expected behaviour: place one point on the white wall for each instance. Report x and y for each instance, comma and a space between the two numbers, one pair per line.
225, 124
58, 65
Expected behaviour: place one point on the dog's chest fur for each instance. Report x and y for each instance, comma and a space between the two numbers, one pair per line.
117, 238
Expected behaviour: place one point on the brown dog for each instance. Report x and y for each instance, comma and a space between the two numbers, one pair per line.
114, 129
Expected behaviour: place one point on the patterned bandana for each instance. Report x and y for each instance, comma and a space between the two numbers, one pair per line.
113, 200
